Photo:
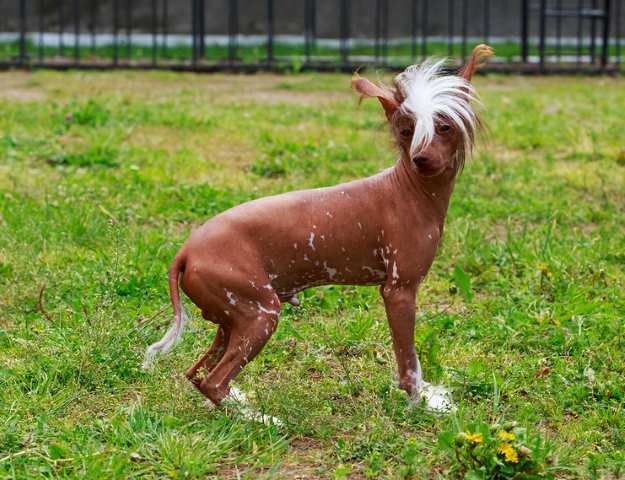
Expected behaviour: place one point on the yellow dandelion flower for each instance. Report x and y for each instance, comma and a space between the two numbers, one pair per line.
509, 453
474, 437
507, 436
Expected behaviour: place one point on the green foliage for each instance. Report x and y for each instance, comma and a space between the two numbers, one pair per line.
497, 452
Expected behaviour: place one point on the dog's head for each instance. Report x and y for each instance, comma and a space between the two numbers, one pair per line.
431, 112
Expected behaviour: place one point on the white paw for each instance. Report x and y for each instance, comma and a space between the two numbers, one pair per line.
437, 398
238, 398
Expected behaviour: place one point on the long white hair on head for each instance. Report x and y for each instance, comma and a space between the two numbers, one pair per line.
430, 95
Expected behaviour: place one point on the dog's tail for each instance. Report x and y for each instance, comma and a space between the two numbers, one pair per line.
175, 332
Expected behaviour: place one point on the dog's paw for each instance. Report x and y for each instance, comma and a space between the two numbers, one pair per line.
436, 398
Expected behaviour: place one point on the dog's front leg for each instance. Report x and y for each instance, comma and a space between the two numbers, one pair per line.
400, 311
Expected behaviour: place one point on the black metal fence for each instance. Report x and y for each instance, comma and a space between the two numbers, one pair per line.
541, 36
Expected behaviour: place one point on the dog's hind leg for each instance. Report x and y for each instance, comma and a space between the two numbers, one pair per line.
248, 336
212, 355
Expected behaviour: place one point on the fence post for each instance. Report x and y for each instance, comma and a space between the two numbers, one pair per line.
424, 30
543, 25
115, 32
22, 9
76, 12
269, 32
154, 31
525, 30
165, 28
233, 27
201, 28
450, 28
344, 19
606, 33
194, 45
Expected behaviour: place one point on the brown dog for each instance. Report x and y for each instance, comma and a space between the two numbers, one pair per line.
383, 230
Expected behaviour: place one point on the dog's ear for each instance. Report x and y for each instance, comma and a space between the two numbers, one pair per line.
369, 89
478, 58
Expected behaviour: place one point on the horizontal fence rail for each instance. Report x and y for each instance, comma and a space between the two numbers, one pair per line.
529, 36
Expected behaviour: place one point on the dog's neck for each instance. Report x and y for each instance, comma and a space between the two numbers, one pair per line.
430, 192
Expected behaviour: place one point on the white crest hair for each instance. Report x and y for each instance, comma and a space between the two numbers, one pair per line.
430, 95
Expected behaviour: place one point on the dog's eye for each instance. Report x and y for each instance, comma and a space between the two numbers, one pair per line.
444, 128
406, 132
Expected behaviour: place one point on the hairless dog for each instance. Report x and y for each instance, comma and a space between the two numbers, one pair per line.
383, 230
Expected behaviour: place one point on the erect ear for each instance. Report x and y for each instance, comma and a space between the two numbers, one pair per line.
478, 58
368, 89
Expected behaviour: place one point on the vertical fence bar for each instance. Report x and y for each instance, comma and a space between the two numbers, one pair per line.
617, 33
593, 33
606, 33
450, 28
413, 30
128, 29
559, 30
233, 29
424, 30
465, 27
154, 31
270, 20
344, 31
115, 32
92, 24
525, 30
194, 20
385, 30
41, 27
580, 6
201, 30
307, 30
486, 21
22, 10
543, 19
76, 12
378, 29
165, 27
61, 29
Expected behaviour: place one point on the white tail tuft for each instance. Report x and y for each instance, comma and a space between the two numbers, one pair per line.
166, 343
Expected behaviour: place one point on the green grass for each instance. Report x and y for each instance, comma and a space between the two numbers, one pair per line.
288, 56
521, 315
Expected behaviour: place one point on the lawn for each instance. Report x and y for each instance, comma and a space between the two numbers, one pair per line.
104, 175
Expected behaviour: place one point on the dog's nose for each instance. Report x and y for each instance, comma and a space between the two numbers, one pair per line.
419, 159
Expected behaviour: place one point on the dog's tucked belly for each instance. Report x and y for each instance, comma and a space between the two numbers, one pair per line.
289, 284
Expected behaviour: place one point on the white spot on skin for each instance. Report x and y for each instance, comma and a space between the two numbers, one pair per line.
266, 310
360, 225
268, 286
311, 240
329, 214
331, 271
395, 274
295, 245
430, 236
230, 297
306, 257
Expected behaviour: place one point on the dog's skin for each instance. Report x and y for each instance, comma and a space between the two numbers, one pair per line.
383, 230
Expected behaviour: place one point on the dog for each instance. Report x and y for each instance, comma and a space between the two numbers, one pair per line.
384, 230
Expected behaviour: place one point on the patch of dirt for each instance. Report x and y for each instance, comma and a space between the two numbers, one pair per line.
14, 86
